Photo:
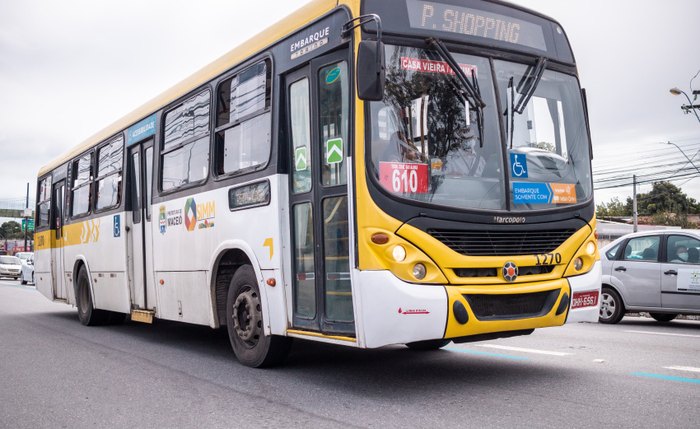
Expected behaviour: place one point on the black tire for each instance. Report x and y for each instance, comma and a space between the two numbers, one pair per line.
428, 345
23, 282
87, 314
663, 317
611, 307
244, 323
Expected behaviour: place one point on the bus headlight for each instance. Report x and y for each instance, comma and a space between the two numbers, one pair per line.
578, 264
590, 248
399, 253
419, 271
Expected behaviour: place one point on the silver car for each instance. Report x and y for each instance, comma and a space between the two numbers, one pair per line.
657, 272
10, 266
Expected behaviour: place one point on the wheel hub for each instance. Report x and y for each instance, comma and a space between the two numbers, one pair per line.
246, 316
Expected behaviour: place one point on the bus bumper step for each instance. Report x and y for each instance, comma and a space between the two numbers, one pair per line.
143, 316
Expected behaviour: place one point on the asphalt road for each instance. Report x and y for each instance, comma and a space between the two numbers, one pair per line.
56, 373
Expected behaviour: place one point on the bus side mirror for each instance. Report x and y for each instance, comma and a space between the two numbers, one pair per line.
370, 70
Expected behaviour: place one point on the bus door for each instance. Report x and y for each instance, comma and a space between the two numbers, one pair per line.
140, 246
317, 101
58, 278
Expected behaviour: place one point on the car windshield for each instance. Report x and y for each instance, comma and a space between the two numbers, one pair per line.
9, 260
430, 145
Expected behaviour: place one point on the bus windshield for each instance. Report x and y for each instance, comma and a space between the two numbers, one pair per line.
427, 146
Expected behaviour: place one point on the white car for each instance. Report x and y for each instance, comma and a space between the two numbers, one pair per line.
10, 266
27, 271
657, 272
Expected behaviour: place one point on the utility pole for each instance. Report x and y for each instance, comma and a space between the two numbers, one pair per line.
634, 202
26, 219
690, 106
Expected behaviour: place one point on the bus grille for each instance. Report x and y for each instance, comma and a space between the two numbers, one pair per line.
491, 243
515, 306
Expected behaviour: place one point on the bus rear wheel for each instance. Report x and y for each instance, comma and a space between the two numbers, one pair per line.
87, 313
244, 323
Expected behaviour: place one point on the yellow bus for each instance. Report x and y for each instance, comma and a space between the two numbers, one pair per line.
364, 173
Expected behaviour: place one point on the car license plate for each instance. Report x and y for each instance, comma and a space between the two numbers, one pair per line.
585, 299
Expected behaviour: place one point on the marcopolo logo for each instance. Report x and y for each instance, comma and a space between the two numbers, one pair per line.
199, 216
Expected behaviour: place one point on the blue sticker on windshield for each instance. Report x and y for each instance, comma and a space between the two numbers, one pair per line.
518, 165
531, 193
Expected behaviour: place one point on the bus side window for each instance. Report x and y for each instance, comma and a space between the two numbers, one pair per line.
44, 203
81, 175
109, 174
185, 154
244, 121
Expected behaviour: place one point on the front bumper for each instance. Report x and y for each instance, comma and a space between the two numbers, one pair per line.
391, 311
589, 282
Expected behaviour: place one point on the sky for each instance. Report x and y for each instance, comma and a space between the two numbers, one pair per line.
70, 68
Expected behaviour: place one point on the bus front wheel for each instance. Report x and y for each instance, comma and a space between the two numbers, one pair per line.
244, 323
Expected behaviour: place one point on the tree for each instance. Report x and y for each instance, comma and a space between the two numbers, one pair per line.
665, 197
613, 208
11, 229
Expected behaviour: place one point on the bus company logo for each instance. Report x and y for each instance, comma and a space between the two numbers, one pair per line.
509, 219
413, 311
199, 216
510, 271
162, 219
190, 214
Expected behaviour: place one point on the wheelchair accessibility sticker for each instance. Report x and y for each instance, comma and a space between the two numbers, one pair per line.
518, 165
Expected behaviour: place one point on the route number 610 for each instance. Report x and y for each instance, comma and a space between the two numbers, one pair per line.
404, 181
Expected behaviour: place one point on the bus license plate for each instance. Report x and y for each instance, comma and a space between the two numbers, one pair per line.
585, 299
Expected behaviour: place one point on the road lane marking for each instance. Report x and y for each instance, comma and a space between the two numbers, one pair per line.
683, 368
666, 377
520, 349
486, 354
664, 333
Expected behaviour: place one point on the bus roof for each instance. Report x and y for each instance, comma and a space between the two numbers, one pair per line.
255, 44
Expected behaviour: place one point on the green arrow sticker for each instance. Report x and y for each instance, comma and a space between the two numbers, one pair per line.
334, 151
300, 159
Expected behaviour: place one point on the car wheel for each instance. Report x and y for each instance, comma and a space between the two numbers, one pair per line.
244, 323
611, 308
428, 345
24, 282
663, 317
87, 314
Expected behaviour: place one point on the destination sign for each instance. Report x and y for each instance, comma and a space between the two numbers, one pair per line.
439, 17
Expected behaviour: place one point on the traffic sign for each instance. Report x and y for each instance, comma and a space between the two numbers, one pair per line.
26, 222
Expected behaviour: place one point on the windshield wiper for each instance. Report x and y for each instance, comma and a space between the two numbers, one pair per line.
470, 90
528, 84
